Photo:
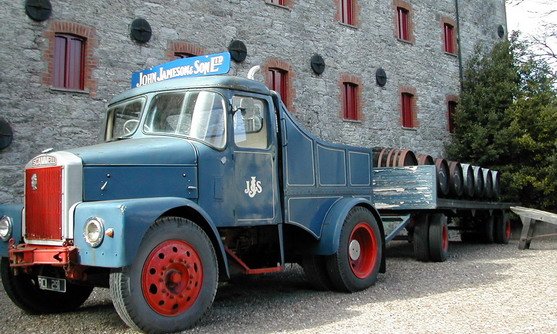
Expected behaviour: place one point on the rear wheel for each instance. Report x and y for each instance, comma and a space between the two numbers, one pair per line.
421, 238
438, 238
502, 229
171, 283
24, 291
356, 264
486, 229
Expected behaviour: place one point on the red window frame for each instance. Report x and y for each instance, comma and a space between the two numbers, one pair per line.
350, 101
407, 110
403, 23
448, 32
69, 62
347, 12
279, 82
451, 106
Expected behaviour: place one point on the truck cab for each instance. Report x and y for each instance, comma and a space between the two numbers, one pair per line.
196, 179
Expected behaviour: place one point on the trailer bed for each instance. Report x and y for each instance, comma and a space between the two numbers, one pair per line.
404, 189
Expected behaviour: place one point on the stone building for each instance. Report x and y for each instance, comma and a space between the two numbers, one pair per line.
391, 69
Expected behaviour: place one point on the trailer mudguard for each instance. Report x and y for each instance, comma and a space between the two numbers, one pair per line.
15, 213
128, 220
332, 224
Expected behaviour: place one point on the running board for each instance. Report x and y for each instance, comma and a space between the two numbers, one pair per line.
250, 271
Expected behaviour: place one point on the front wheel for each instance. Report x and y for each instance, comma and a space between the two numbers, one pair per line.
356, 264
171, 283
23, 289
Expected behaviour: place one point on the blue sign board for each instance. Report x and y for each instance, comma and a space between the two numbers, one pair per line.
214, 64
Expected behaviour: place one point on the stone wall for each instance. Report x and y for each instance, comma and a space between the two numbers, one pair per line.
43, 117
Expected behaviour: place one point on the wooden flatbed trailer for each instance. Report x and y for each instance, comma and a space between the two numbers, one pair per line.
410, 208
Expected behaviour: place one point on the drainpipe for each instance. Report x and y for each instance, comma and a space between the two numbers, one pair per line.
460, 70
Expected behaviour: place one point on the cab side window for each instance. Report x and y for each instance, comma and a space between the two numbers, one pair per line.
250, 122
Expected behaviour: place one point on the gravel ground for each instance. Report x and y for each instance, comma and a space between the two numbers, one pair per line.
479, 289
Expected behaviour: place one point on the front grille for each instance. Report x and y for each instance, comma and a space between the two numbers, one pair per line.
43, 203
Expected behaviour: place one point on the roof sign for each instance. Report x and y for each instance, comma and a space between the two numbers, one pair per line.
214, 64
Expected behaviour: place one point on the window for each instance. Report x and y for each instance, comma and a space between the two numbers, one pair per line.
449, 38
123, 118
279, 82
249, 122
195, 114
451, 106
347, 12
277, 2
403, 23
350, 101
407, 110
69, 62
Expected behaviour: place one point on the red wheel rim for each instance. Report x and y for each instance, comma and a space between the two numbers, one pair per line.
362, 250
445, 237
508, 230
172, 277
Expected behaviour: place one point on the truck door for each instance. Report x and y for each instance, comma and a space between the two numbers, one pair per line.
255, 170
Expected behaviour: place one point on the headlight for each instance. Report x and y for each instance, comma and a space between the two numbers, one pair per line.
6, 227
94, 231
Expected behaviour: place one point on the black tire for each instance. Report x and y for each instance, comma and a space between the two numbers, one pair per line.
173, 248
502, 230
356, 264
486, 230
315, 270
438, 238
24, 291
421, 238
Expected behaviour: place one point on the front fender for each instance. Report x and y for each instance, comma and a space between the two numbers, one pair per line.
129, 220
332, 225
15, 212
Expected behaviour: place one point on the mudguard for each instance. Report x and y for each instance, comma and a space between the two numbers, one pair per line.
129, 219
15, 212
332, 225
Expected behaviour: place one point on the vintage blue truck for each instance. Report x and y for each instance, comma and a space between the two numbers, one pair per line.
200, 178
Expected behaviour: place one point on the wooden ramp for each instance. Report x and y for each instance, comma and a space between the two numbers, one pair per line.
530, 217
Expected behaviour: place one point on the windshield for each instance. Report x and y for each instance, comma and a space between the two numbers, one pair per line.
195, 114
123, 118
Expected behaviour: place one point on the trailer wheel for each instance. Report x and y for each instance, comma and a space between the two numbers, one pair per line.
502, 229
24, 291
421, 238
438, 238
356, 264
315, 270
487, 229
171, 283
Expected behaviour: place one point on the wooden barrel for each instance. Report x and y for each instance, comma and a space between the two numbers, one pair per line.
442, 168
406, 158
456, 179
488, 185
382, 158
468, 178
478, 181
376, 155
389, 157
424, 159
496, 183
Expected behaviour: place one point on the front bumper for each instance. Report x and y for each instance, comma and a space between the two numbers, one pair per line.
25, 255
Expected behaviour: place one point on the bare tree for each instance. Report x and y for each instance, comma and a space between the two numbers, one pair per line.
542, 42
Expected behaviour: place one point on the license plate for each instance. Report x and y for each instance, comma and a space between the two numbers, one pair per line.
52, 284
